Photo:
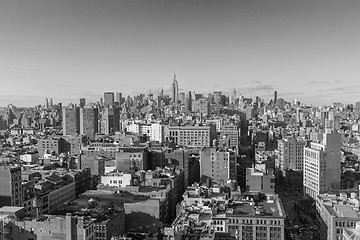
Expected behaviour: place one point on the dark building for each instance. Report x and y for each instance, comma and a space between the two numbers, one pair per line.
89, 119
108, 99
189, 102
110, 120
118, 97
71, 121
243, 163
275, 97
82, 102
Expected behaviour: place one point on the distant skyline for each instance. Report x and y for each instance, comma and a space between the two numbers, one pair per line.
67, 50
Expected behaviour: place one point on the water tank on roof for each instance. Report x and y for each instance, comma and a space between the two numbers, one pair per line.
215, 143
36, 203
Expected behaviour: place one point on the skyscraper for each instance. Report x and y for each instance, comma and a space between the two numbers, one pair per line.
110, 120
275, 97
108, 99
189, 101
71, 121
89, 121
175, 91
46, 103
118, 97
291, 154
82, 102
322, 165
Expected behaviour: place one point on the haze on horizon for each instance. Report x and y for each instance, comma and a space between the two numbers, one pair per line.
308, 50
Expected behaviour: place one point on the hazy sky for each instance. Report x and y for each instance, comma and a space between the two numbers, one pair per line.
67, 49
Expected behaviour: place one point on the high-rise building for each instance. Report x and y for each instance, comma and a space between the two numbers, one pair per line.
322, 165
89, 121
82, 102
71, 121
175, 91
217, 97
110, 120
189, 101
290, 154
275, 97
46, 103
51, 102
10, 186
108, 99
118, 97
218, 164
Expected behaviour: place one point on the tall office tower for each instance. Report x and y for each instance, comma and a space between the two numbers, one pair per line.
46, 103
322, 165
89, 121
161, 93
119, 97
189, 101
218, 164
51, 102
10, 186
290, 154
175, 91
82, 102
108, 99
110, 120
101, 102
275, 97
71, 121
217, 97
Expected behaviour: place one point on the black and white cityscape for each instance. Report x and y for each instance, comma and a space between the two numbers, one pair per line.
179, 120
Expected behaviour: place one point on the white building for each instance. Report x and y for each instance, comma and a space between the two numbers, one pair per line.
30, 158
116, 179
339, 216
322, 165
155, 131
218, 164
290, 154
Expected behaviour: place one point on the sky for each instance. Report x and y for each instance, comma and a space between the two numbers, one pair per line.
69, 49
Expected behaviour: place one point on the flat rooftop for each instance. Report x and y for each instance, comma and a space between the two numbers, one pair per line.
10, 209
260, 209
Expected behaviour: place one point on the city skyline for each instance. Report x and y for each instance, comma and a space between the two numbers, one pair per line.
69, 50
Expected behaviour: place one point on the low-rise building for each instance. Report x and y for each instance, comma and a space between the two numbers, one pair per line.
338, 215
240, 216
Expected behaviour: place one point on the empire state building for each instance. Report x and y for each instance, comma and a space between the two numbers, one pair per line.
175, 91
